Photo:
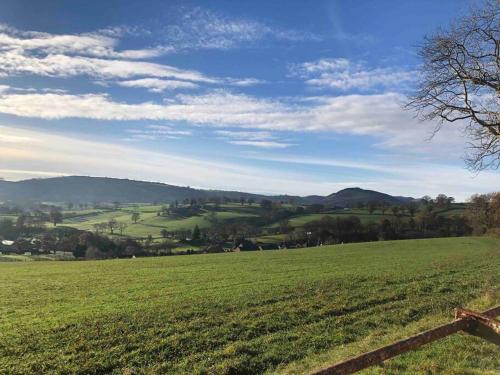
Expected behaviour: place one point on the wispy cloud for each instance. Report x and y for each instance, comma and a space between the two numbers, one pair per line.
158, 85
12, 138
99, 44
329, 162
156, 133
261, 144
343, 74
67, 155
340, 32
44, 154
416, 178
95, 55
247, 135
244, 82
16, 63
200, 28
261, 139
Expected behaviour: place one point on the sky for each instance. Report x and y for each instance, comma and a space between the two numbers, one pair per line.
273, 97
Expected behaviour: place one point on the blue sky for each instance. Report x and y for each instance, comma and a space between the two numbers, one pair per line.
271, 97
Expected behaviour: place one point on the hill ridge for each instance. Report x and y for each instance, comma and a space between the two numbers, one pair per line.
79, 189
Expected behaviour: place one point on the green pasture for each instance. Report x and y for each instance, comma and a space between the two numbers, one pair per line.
287, 311
150, 223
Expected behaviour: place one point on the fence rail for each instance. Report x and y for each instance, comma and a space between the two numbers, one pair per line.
479, 324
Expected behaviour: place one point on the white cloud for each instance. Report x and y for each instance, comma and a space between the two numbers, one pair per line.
379, 116
261, 139
158, 85
248, 135
95, 55
245, 82
327, 162
156, 133
343, 74
13, 63
262, 144
11, 138
19, 174
89, 44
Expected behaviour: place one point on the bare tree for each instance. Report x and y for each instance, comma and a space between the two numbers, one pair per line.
112, 224
135, 217
55, 216
121, 227
460, 82
371, 207
97, 227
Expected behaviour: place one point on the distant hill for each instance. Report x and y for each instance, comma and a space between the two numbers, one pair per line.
351, 197
82, 189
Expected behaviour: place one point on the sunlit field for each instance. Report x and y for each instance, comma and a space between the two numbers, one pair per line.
149, 222
287, 311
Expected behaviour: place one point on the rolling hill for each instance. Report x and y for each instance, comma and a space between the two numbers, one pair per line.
350, 197
83, 189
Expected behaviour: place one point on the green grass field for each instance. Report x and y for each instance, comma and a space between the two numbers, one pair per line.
240, 313
31, 258
363, 215
150, 223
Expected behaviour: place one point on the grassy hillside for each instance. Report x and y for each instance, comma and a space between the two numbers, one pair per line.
150, 223
275, 311
363, 214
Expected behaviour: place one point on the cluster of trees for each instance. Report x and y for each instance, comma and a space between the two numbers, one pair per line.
91, 246
215, 200
112, 226
219, 233
34, 219
332, 230
483, 213
195, 206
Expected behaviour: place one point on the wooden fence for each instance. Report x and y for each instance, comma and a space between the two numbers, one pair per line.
478, 324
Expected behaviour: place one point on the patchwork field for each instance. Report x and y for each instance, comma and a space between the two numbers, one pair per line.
363, 215
150, 223
239, 313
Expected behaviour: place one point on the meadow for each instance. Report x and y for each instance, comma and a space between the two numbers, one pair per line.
284, 311
149, 222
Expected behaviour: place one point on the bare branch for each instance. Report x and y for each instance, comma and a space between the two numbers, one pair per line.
460, 82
